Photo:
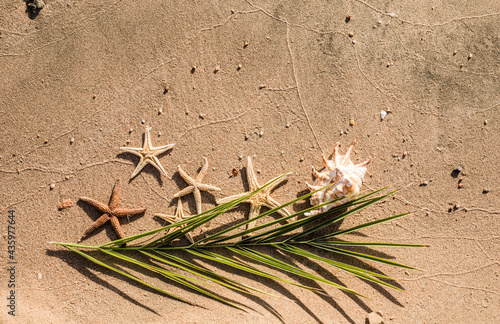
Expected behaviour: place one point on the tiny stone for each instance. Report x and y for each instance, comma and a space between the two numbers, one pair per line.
130, 130
346, 131
72, 140
351, 34
193, 68
202, 116
457, 206
216, 69
143, 121
341, 133
460, 185
159, 134
46, 141
39, 276
246, 137
37, 135
352, 123
424, 183
427, 214
458, 169
234, 172
127, 142
379, 22
353, 42
469, 57
383, 113
287, 125
66, 177
485, 122
259, 171
261, 133
65, 204
186, 112
485, 191
240, 157
52, 186
301, 159
262, 86
405, 154
454, 53
239, 67
245, 45
392, 15
160, 111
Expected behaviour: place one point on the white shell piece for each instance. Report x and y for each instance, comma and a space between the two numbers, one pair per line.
346, 177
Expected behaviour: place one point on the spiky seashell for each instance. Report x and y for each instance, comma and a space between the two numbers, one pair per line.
346, 177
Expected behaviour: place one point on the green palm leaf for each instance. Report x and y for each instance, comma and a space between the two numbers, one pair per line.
249, 244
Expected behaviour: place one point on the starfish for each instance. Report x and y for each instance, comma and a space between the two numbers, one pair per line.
110, 212
148, 154
179, 216
260, 199
195, 185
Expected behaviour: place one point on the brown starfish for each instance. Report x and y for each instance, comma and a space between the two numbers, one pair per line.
110, 212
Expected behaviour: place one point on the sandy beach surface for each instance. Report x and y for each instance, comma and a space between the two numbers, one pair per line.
280, 82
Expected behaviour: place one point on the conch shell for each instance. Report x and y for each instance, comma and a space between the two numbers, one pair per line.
346, 176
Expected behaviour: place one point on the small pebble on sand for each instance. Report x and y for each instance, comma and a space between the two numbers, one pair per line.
383, 113
52, 186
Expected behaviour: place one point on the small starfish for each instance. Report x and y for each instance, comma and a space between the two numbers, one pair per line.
195, 185
148, 154
179, 216
110, 212
260, 199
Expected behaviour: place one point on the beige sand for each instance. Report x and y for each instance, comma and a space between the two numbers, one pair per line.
93, 70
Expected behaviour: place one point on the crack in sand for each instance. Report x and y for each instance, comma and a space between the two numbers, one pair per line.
427, 25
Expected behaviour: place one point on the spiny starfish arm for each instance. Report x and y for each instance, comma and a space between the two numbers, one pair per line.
207, 187
186, 177
133, 150
95, 225
254, 212
96, 204
116, 226
233, 197
139, 167
115, 196
197, 199
160, 149
252, 179
203, 170
147, 140
189, 237
184, 192
122, 212
168, 218
156, 163
271, 203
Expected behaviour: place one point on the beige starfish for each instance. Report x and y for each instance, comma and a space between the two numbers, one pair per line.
179, 216
260, 199
148, 154
195, 185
